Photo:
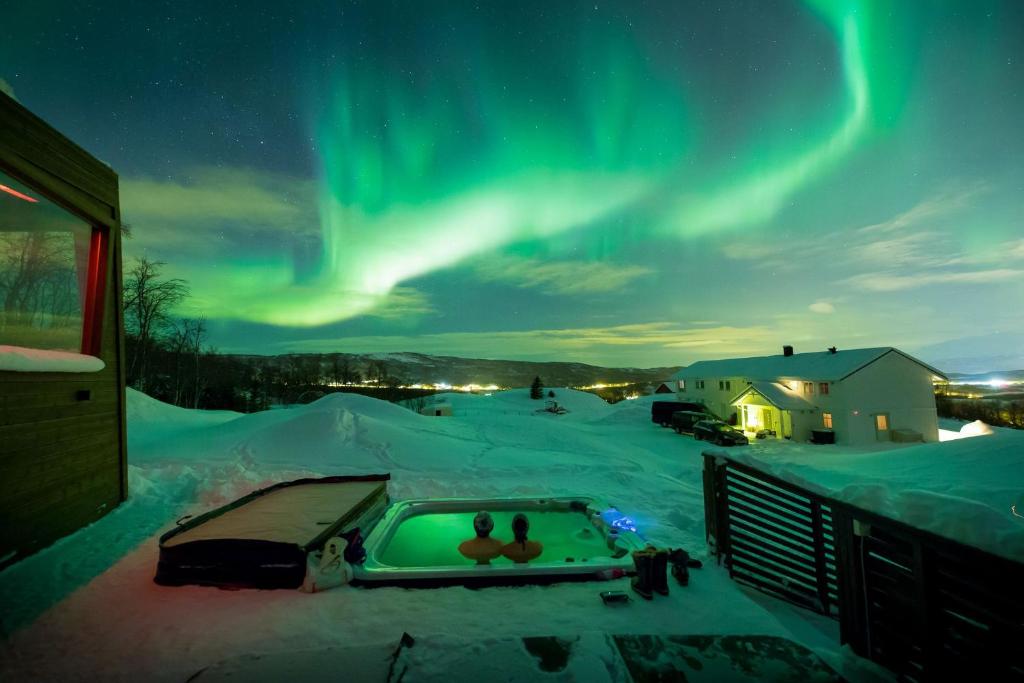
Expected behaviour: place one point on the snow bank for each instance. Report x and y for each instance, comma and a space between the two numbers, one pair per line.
976, 428
20, 359
970, 522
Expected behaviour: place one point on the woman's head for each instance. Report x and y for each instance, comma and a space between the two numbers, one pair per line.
520, 525
483, 524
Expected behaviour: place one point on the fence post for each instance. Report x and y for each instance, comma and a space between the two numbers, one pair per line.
853, 616
820, 569
925, 614
716, 507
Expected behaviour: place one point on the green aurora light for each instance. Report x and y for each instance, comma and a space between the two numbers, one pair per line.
607, 144
614, 183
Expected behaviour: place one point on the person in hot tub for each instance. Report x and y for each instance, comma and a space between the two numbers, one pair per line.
482, 548
521, 550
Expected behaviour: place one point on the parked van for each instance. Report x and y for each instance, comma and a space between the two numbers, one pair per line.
661, 411
683, 420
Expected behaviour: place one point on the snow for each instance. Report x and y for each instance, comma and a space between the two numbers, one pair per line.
87, 608
969, 489
976, 428
816, 366
21, 359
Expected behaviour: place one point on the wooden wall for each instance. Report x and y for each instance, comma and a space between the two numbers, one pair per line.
63, 455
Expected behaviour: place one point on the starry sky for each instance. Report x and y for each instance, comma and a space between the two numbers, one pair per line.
641, 184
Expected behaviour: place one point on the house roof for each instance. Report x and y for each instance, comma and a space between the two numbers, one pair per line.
819, 365
777, 394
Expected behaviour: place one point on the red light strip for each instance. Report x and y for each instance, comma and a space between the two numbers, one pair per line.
14, 193
92, 328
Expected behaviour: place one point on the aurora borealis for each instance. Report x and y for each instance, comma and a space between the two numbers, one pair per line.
624, 184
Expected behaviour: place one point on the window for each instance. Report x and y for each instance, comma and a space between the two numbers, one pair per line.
49, 277
724, 385
823, 388
682, 385
700, 384
881, 422
826, 419
808, 388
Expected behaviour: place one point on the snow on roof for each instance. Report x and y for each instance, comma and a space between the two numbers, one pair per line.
967, 490
19, 359
778, 395
818, 365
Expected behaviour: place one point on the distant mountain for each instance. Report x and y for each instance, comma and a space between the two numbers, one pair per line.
983, 377
414, 368
975, 355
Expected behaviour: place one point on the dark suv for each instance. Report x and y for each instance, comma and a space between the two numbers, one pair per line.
661, 411
684, 420
718, 432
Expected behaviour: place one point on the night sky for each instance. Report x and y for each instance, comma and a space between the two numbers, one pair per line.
617, 183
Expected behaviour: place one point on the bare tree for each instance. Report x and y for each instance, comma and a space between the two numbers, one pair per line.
198, 333
148, 302
38, 287
177, 344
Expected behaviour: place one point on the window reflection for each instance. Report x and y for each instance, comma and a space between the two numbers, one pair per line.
44, 257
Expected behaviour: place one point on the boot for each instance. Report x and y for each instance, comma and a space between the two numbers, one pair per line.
680, 560
659, 571
643, 559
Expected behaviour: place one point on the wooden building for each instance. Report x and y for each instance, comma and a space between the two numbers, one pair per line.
62, 399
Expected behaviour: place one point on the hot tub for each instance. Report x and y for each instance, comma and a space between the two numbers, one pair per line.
416, 542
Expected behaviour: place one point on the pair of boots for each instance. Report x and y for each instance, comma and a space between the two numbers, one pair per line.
652, 570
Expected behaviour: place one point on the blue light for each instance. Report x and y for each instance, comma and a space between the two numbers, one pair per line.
617, 520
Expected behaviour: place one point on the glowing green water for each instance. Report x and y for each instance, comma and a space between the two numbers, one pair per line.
432, 539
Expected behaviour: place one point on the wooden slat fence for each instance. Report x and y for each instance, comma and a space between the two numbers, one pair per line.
924, 606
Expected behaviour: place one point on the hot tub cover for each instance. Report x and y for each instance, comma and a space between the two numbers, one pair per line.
262, 539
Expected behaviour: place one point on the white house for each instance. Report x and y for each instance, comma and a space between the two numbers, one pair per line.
861, 395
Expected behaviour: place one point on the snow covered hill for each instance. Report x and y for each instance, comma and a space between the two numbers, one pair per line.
453, 370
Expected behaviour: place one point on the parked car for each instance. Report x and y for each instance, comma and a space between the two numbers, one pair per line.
683, 420
661, 411
719, 433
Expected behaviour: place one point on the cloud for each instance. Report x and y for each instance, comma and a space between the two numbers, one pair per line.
558, 277
889, 281
402, 303
210, 195
896, 254
941, 204
822, 307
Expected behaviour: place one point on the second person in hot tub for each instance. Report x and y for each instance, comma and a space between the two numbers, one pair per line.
522, 549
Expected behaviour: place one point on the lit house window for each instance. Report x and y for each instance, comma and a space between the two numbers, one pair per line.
700, 384
682, 385
826, 418
48, 278
808, 388
881, 422
823, 388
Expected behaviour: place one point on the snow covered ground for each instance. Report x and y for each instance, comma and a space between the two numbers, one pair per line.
87, 609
